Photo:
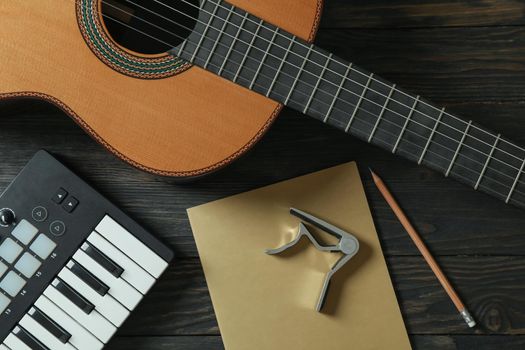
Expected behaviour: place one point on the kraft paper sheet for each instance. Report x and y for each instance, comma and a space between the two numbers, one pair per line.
268, 302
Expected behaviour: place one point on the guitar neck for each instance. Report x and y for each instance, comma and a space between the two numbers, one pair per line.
261, 57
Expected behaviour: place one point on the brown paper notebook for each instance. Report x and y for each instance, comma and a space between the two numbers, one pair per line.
268, 302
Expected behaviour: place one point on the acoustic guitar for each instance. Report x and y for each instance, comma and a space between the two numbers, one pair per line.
211, 78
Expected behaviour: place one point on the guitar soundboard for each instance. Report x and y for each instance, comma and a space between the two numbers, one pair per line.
72, 265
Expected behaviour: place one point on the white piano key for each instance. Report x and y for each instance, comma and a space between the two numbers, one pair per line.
133, 273
80, 337
3, 347
105, 305
43, 335
131, 246
14, 343
118, 288
94, 322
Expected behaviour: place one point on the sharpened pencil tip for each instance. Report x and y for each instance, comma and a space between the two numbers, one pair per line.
374, 175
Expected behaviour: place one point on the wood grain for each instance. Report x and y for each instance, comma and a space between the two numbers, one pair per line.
493, 288
180, 126
479, 242
422, 14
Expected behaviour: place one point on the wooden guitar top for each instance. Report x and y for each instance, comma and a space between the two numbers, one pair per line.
184, 125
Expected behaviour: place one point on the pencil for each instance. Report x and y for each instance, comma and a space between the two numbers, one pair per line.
423, 249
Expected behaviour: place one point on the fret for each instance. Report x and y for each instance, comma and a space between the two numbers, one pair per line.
515, 183
230, 49
301, 69
250, 46
203, 35
339, 89
425, 150
321, 77
383, 110
460, 144
221, 33
487, 162
321, 85
278, 72
266, 53
396, 145
358, 104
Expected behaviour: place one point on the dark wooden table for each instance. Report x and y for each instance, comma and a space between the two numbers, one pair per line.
466, 54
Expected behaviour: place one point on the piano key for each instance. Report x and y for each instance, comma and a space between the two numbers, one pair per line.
133, 273
14, 343
74, 297
43, 335
102, 260
94, 322
105, 305
50, 325
28, 339
80, 337
90, 279
131, 246
118, 288
3, 347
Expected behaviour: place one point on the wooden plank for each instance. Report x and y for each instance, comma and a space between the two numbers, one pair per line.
493, 288
448, 65
459, 342
166, 343
454, 219
427, 13
427, 342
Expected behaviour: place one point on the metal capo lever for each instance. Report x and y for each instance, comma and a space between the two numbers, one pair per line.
348, 245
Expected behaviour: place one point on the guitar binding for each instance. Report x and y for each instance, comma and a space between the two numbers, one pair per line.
118, 58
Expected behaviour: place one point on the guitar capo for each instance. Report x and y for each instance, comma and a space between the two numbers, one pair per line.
348, 245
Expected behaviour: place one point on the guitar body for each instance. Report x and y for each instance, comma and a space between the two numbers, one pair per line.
182, 122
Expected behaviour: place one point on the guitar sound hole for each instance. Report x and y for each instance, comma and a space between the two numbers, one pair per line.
149, 26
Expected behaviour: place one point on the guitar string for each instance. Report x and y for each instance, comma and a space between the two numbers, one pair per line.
438, 121
386, 109
515, 190
357, 71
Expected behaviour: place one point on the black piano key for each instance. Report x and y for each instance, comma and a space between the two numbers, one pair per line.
89, 278
28, 339
53, 328
74, 297
103, 260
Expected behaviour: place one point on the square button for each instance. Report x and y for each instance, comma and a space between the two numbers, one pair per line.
4, 302
24, 231
28, 265
42, 246
12, 283
10, 250
3, 268
59, 196
70, 204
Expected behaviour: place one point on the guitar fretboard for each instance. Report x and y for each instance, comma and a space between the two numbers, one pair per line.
261, 57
